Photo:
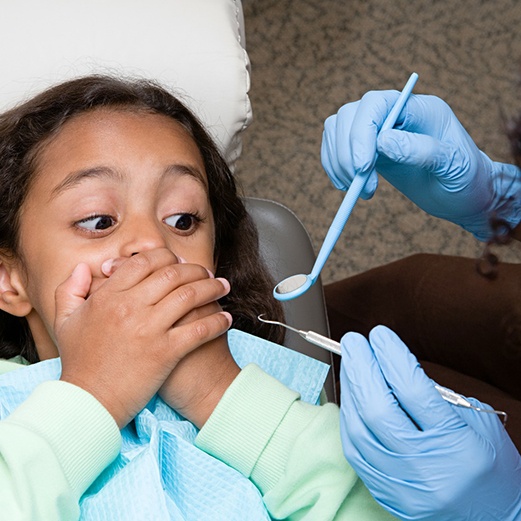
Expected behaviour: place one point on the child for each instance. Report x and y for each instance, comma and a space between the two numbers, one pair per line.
115, 211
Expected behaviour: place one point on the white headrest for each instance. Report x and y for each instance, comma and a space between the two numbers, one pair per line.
195, 47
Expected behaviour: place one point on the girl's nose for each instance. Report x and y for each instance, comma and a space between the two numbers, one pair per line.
142, 235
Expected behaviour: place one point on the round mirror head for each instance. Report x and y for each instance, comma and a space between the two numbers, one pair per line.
292, 287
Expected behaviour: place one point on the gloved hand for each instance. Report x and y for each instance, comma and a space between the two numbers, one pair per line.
428, 156
420, 457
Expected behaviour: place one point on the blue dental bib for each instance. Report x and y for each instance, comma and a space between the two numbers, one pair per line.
159, 473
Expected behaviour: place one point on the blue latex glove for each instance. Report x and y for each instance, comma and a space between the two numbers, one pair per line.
428, 156
450, 464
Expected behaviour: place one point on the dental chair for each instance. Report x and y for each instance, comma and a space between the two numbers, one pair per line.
196, 48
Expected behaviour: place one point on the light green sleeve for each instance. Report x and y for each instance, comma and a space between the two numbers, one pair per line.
290, 449
52, 448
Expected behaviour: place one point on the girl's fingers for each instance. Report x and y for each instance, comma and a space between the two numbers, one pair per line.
183, 300
188, 337
200, 312
137, 268
155, 275
72, 293
168, 279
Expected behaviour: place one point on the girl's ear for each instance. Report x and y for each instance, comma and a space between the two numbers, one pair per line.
13, 297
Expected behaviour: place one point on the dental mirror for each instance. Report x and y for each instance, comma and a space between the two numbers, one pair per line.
296, 285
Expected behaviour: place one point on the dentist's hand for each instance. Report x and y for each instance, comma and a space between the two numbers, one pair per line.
421, 458
428, 156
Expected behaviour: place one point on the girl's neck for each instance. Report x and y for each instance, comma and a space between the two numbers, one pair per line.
45, 346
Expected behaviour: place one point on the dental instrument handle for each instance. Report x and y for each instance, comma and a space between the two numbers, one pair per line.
321, 341
457, 399
393, 115
329, 344
357, 185
448, 395
339, 222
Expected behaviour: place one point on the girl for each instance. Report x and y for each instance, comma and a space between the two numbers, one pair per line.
116, 211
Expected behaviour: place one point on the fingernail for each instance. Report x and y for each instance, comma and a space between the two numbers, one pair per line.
181, 260
225, 283
211, 275
228, 317
107, 266
77, 270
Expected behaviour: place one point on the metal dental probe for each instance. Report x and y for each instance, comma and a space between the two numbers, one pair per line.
310, 336
334, 347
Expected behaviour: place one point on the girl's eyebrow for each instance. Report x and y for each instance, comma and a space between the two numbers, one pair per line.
74, 178
192, 171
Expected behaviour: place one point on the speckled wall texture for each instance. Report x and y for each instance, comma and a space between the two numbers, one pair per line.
310, 57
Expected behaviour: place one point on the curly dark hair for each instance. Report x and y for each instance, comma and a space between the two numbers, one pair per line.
502, 233
24, 131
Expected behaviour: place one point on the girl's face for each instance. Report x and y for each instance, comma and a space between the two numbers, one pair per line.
111, 183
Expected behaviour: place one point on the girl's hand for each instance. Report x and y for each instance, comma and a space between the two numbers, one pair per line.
198, 382
122, 341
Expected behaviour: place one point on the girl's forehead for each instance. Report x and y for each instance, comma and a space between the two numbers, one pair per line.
121, 121
90, 131
116, 134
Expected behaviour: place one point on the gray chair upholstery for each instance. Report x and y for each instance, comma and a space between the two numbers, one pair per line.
286, 249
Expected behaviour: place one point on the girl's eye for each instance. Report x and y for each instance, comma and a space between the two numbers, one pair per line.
184, 222
96, 222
